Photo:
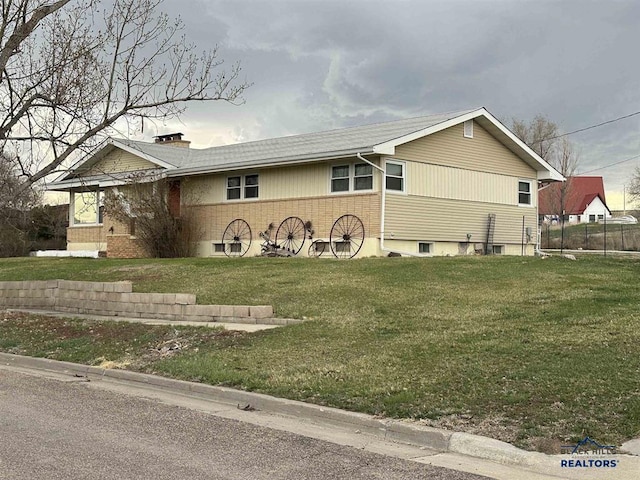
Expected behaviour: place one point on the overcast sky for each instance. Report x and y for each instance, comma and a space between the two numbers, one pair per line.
317, 65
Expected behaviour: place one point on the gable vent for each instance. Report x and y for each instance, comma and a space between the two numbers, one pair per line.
468, 129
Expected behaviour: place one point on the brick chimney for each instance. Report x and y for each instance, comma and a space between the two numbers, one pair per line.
173, 139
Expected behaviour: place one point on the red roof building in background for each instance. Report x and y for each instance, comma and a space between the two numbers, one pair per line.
584, 201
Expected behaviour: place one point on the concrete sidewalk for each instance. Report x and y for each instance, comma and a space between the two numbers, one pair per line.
244, 327
456, 450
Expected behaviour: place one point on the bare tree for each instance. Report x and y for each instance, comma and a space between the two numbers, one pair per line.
543, 137
71, 69
148, 211
633, 188
540, 135
15, 204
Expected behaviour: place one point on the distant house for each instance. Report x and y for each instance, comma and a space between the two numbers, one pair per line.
584, 201
444, 184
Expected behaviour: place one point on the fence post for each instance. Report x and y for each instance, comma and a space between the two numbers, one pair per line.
548, 236
562, 234
605, 235
586, 236
622, 235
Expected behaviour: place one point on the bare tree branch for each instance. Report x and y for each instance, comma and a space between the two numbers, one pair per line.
71, 69
558, 152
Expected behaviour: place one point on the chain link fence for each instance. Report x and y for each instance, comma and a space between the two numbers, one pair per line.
591, 236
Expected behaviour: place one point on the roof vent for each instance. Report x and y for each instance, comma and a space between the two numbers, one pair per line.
173, 139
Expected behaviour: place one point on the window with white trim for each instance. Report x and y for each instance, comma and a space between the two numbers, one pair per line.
524, 192
340, 178
362, 176
351, 177
395, 175
251, 186
242, 187
87, 208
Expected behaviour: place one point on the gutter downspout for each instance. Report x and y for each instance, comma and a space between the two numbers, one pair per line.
382, 211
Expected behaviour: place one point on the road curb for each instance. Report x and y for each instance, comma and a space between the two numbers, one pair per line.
387, 429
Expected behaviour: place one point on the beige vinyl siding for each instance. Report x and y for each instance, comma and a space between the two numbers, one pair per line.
118, 161
300, 181
438, 219
450, 148
459, 184
294, 182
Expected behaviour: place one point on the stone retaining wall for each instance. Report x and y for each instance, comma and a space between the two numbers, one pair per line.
117, 299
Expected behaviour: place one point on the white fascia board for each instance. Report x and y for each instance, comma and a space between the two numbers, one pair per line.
111, 182
550, 174
545, 171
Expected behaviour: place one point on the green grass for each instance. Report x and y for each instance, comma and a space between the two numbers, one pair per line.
534, 352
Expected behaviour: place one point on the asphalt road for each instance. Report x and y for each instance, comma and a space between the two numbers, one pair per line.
51, 429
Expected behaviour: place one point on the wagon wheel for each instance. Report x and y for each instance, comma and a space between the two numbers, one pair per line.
347, 236
291, 234
317, 248
236, 238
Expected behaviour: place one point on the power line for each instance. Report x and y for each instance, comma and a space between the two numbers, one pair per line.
589, 127
610, 165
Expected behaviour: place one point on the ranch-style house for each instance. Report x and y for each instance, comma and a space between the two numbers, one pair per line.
448, 184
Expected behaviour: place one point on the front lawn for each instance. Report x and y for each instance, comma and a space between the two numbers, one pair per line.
534, 352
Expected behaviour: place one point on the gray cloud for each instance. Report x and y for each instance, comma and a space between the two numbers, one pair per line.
319, 65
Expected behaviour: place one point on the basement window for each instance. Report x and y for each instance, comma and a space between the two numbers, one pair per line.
498, 249
342, 247
425, 247
218, 248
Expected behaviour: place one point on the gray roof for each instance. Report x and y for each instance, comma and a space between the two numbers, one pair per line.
343, 142
319, 144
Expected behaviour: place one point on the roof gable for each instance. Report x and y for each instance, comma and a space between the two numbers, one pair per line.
380, 138
580, 192
112, 160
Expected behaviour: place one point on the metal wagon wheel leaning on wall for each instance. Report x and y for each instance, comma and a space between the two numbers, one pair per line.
317, 248
347, 236
291, 234
236, 238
